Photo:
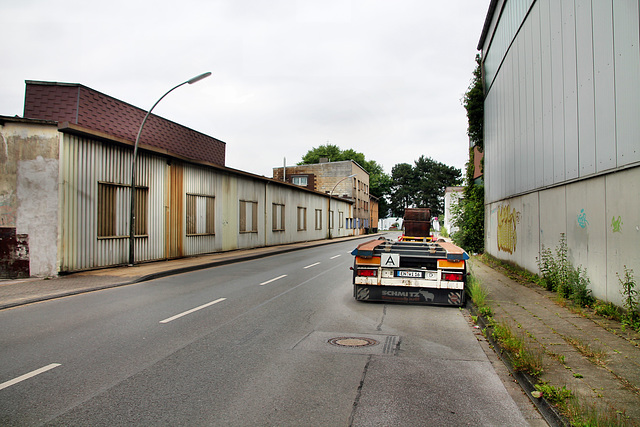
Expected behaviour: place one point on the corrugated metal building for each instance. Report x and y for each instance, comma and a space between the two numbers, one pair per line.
562, 134
65, 193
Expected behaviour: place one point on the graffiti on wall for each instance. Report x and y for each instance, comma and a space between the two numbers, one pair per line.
507, 235
616, 224
582, 219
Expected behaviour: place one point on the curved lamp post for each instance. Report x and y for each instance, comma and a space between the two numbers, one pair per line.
132, 224
330, 193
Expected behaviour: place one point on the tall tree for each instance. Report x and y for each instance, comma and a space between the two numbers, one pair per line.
379, 182
403, 184
469, 215
421, 185
432, 180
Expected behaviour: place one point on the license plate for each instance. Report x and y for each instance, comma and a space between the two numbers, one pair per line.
410, 274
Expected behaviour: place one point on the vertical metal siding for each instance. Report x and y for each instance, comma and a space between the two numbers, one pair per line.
547, 93
557, 86
201, 181
536, 74
604, 88
570, 89
564, 102
627, 83
85, 163
586, 105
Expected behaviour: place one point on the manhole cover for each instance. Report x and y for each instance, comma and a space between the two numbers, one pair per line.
352, 342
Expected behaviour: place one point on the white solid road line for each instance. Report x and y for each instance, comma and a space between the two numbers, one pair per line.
335, 256
177, 316
273, 280
29, 375
309, 266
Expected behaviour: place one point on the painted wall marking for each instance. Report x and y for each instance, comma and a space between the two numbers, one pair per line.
507, 234
582, 219
616, 224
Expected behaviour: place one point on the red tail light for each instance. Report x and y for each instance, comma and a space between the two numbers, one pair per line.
367, 272
452, 277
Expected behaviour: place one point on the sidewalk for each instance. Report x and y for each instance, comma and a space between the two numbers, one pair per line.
14, 293
563, 337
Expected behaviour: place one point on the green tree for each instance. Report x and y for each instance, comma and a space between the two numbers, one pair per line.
432, 180
402, 188
421, 185
469, 214
379, 182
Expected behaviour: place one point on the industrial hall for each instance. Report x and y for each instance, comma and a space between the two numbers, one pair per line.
67, 196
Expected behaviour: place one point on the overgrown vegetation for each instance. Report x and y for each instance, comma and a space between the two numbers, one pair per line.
578, 413
524, 357
478, 295
558, 396
629, 293
468, 213
559, 275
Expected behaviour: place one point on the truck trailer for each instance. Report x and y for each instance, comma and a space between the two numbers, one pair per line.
413, 272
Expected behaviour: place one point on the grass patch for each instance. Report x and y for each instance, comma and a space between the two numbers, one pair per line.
478, 295
524, 358
596, 355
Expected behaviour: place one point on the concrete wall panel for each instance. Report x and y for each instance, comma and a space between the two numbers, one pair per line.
29, 170
622, 222
586, 239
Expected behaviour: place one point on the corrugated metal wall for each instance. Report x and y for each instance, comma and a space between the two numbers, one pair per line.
563, 90
86, 165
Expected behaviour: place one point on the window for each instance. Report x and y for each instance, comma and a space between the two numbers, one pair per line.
299, 180
200, 214
302, 219
318, 219
277, 216
331, 220
248, 217
340, 219
114, 210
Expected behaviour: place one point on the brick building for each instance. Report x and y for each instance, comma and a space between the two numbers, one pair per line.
328, 177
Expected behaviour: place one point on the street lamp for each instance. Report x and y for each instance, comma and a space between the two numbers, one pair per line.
330, 193
132, 225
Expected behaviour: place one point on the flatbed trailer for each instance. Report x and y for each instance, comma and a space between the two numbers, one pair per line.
410, 272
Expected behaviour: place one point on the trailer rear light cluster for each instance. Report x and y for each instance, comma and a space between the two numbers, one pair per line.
452, 277
366, 272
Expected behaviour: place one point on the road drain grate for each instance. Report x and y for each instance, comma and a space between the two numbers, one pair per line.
352, 342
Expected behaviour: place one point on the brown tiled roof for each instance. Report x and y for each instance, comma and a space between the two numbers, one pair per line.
80, 105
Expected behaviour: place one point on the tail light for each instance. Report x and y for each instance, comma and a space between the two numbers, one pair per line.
452, 277
367, 272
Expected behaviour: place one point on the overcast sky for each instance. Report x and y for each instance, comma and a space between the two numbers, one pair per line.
383, 77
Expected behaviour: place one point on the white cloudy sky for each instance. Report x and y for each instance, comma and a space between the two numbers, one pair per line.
384, 77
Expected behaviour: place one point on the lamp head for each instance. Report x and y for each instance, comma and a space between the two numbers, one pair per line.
199, 77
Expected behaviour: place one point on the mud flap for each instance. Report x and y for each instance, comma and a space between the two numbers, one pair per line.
401, 294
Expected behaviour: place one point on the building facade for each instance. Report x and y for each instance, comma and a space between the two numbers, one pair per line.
65, 196
452, 196
562, 134
329, 178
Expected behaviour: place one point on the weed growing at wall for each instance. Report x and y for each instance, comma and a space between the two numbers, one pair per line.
630, 301
559, 275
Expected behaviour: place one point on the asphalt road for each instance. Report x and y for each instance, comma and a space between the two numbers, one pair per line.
246, 344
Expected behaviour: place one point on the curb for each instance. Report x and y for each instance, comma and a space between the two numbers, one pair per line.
176, 271
526, 381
